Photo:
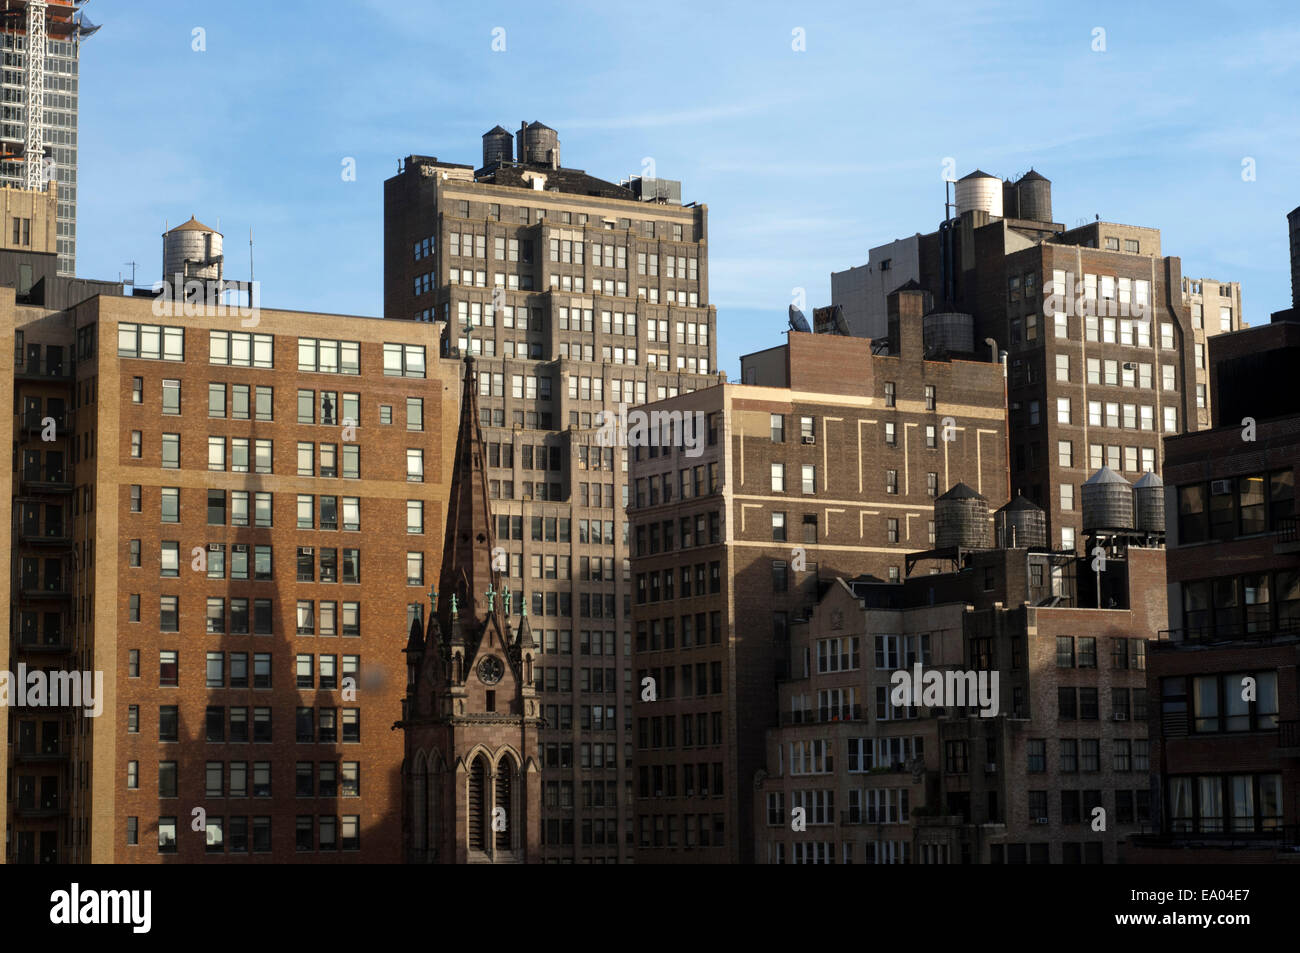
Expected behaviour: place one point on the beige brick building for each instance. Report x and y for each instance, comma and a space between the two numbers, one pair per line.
882, 783
575, 295
828, 464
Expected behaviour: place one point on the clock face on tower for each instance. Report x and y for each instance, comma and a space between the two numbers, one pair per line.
490, 670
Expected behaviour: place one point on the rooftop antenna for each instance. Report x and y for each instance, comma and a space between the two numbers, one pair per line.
132, 264
250, 266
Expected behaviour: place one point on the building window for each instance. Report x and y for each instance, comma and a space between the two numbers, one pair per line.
1064, 651
171, 397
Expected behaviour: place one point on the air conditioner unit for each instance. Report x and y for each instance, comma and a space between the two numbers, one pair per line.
990, 767
1120, 716
1220, 487
809, 439
1040, 820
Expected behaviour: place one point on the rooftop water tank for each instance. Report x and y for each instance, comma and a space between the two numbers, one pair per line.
539, 144
193, 251
948, 332
498, 146
1107, 502
1034, 197
1020, 524
980, 192
961, 518
1149, 504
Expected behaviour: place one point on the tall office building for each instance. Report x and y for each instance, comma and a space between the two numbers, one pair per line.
829, 464
575, 295
64, 25
224, 530
1105, 339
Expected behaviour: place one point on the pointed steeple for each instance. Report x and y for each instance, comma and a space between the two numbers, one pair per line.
415, 641
524, 634
467, 570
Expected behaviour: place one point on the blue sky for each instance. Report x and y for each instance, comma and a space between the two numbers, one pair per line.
805, 158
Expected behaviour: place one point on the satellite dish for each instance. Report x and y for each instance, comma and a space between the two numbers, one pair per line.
798, 322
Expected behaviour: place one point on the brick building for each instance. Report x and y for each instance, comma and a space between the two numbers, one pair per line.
576, 295
885, 783
266, 561
1098, 373
827, 464
37, 770
1226, 732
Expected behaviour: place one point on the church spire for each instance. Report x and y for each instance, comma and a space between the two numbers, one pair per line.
467, 571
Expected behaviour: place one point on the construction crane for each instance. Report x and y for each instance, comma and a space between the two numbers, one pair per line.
35, 145
64, 19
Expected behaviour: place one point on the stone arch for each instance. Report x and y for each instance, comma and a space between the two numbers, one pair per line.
507, 753
479, 749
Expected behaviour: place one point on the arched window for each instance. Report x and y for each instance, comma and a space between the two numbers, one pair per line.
433, 806
478, 808
419, 797
504, 789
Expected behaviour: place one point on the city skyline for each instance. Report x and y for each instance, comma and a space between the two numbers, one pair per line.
769, 114
1003, 447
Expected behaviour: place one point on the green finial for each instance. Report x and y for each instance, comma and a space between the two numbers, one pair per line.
491, 597
433, 598
506, 598
453, 605
523, 607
